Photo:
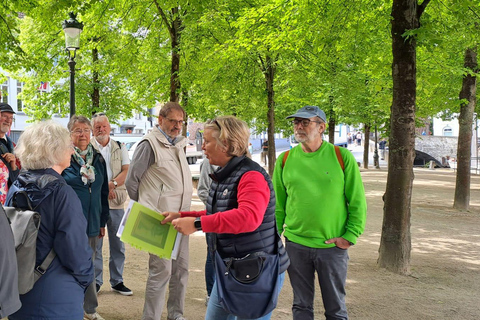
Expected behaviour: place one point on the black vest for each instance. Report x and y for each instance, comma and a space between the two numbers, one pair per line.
223, 197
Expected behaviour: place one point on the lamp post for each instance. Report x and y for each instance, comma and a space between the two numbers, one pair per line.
72, 29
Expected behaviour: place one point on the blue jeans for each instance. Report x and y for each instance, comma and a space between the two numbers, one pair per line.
117, 251
330, 264
209, 269
216, 312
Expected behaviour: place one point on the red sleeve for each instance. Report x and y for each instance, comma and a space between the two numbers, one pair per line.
193, 213
253, 196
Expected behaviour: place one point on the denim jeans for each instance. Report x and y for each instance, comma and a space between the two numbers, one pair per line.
117, 251
209, 271
330, 264
216, 312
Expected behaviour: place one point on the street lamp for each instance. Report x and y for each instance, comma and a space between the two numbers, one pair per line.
72, 29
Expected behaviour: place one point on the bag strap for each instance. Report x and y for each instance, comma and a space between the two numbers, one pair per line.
339, 157
42, 268
285, 158
337, 152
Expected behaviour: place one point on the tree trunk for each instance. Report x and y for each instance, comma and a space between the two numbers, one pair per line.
96, 84
331, 127
366, 145
175, 41
269, 78
395, 242
465, 120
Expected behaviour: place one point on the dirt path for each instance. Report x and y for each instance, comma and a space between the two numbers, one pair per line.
445, 264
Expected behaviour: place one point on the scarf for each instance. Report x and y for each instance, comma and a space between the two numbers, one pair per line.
87, 171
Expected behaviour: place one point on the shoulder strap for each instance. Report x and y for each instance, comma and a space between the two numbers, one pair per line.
285, 158
339, 157
119, 144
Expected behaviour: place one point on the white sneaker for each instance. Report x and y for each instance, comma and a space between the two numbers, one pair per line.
92, 316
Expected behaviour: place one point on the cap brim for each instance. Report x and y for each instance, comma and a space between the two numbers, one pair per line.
304, 115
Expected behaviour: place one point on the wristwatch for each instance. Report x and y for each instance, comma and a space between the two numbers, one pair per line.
198, 224
115, 183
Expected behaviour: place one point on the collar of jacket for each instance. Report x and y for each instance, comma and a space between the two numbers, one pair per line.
225, 172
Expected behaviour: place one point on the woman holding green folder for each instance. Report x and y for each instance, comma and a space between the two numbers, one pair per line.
240, 209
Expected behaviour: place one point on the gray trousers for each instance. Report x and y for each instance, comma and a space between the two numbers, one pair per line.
90, 303
160, 273
331, 267
117, 251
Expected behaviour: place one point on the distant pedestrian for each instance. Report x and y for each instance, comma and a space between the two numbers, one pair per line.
264, 151
381, 146
359, 138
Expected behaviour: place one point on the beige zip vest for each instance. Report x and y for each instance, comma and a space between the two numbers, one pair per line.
167, 183
116, 167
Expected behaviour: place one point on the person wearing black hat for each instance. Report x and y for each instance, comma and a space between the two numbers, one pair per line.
9, 165
321, 210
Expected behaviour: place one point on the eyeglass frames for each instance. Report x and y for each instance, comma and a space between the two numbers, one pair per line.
215, 122
173, 121
78, 132
99, 114
304, 122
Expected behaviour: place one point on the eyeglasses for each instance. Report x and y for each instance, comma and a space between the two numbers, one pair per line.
173, 121
304, 122
99, 114
78, 132
215, 122
8, 117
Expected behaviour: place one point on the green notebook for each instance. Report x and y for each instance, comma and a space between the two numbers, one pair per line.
141, 228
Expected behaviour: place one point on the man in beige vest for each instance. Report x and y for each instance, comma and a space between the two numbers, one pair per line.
117, 162
160, 179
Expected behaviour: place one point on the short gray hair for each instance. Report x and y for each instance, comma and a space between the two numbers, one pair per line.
79, 119
43, 145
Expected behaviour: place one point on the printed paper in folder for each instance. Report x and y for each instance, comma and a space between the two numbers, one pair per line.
141, 228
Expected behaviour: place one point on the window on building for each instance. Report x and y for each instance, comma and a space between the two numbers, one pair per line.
4, 92
138, 116
19, 100
447, 131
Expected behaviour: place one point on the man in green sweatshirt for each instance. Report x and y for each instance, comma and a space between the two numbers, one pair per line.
321, 209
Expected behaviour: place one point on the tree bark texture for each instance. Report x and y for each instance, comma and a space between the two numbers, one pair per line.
96, 84
465, 120
331, 127
269, 78
395, 243
366, 145
175, 33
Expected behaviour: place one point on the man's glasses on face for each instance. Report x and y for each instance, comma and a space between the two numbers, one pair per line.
78, 132
9, 118
303, 122
179, 122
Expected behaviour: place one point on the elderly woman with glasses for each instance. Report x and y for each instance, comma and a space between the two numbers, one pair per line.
240, 208
45, 149
87, 175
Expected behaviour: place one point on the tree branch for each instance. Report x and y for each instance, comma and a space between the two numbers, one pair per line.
421, 8
164, 18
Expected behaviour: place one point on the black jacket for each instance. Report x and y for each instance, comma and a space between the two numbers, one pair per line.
223, 197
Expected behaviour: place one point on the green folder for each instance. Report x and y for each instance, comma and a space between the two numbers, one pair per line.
141, 228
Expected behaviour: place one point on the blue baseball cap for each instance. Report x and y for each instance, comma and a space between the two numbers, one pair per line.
308, 112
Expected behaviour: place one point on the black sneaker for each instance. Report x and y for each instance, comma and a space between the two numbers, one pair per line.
120, 288
98, 287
